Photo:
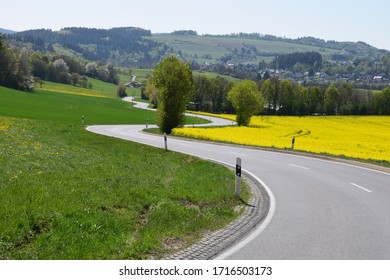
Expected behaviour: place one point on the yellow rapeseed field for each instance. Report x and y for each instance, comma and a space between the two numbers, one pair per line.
364, 137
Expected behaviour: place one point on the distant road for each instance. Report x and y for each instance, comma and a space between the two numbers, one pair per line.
319, 209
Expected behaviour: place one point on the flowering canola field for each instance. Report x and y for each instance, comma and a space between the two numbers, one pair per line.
366, 137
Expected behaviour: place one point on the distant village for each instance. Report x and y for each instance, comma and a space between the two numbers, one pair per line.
378, 80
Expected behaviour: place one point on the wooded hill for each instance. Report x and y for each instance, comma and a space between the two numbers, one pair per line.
120, 46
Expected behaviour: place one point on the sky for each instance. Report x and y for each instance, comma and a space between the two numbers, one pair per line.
340, 20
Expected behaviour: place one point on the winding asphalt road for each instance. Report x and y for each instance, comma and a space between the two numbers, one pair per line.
320, 209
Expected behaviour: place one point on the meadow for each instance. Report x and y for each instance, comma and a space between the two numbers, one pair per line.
66, 193
362, 138
53, 104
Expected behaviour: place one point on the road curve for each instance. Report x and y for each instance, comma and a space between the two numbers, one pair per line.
320, 210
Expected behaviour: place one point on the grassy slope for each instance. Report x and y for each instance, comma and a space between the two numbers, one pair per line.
211, 75
69, 194
51, 105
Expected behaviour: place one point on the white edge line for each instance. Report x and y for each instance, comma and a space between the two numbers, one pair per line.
360, 187
263, 224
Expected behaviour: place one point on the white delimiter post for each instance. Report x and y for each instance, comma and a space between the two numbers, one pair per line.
238, 177
165, 141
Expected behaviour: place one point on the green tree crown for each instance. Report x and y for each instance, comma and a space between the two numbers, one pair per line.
247, 101
174, 85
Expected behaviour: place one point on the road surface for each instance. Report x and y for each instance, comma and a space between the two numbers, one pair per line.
319, 209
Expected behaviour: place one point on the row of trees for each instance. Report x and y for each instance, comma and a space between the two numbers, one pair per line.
283, 97
67, 70
22, 69
15, 68
210, 94
286, 98
288, 61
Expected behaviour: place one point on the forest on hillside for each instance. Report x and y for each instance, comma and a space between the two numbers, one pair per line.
120, 46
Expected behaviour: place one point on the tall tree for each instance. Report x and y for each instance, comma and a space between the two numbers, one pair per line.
202, 91
268, 91
4, 62
332, 100
23, 77
247, 101
286, 98
217, 92
346, 93
75, 78
121, 91
15, 68
271, 93
316, 100
150, 92
38, 65
383, 102
174, 84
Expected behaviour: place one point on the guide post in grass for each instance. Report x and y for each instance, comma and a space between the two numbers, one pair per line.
165, 141
238, 177
82, 119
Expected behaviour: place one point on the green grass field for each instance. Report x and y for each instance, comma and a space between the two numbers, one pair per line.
70, 194
52, 105
100, 89
213, 75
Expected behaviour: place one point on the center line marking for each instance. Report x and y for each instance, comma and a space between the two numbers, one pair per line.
299, 166
183, 144
244, 155
360, 187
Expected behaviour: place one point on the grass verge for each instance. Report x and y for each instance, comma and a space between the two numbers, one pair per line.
69, 194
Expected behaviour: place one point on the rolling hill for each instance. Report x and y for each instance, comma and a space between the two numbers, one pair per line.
252, 48
134, 47
6, 31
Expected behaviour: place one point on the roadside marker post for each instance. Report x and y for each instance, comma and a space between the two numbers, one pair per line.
293, 143
165, 140
82, 119
238, 177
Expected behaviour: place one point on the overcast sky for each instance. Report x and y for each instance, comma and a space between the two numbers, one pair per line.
349, 20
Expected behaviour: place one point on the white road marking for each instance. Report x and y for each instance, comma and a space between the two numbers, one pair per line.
298, 166
263, 225
184, 144
360, 187
244, 155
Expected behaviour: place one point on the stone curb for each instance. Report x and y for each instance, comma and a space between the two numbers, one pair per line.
213, 244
